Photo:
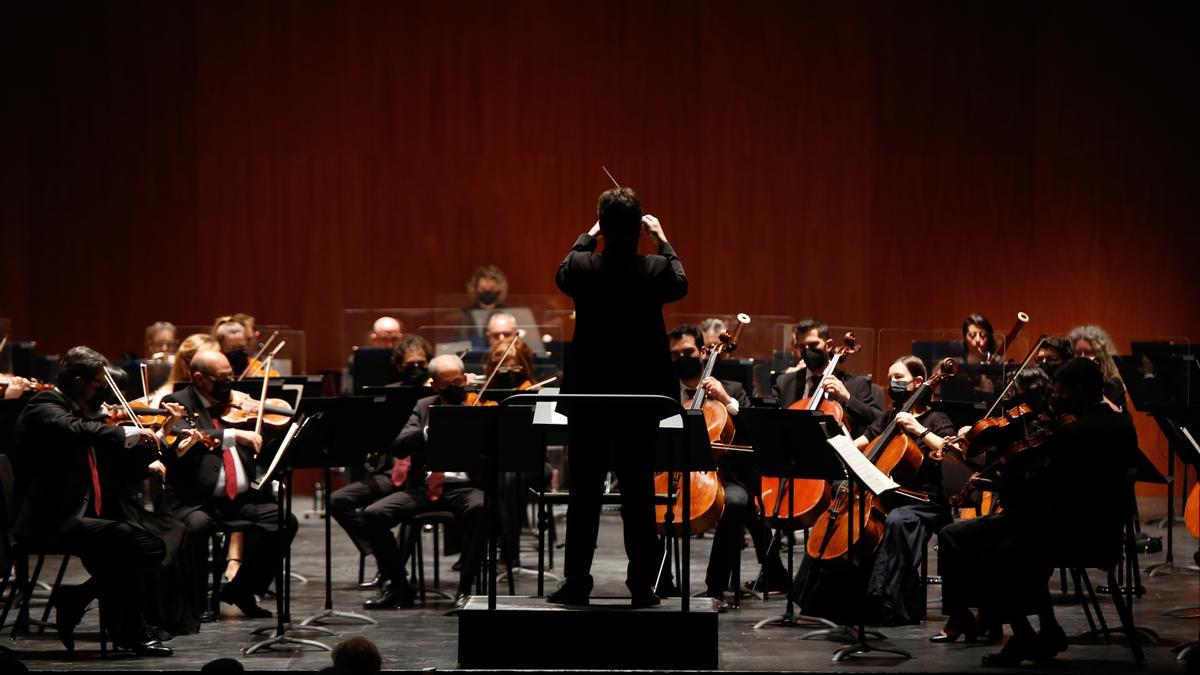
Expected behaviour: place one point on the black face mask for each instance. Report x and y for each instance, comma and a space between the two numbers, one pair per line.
414, 374
815, 359
454, 394
239, 360
222, 391
687, 367
487, 297
898, 390
1048, 368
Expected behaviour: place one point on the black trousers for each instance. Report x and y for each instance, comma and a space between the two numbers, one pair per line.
739, 516
992, 563
266, 542
594, 443
464, 501
346, 502
117, 555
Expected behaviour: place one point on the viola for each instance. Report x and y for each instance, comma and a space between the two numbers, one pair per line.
705, 491
986, 475
34, 385
894, 453
798, 502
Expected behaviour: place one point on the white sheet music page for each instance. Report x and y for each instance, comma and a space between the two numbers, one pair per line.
875, 480
287, 440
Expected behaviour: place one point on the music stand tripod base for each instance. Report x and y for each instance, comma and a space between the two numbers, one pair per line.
336, 614
863, 648
285, 639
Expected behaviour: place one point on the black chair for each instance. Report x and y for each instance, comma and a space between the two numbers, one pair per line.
220, 551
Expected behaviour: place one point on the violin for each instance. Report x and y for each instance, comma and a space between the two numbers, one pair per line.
894, 453
34, 385
798, 502
273, 413
985, 476
706, 492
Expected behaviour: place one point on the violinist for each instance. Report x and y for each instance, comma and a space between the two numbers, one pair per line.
510, 364
234, 343
204, 487
862, 400
61, 447
1001, 562
618, 296
15, 386
386, 475
736, 471
161, 340
1093, 342
426, 491
1054, 351
181, 366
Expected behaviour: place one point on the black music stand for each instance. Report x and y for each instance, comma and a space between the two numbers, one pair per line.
334, 438
791, 444
281, 468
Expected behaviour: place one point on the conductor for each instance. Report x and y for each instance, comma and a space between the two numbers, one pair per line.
619, 296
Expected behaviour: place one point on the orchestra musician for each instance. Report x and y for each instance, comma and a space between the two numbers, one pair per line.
161, 340
1001, 562
181, 364
712, 329
892, 578
426, 491
234, 343
61, 447
978, 340
618, 296
412, 354
736, 471
204, 487
500, 326
862, 400
1093, 342
385, 332
488, 288
1054, 351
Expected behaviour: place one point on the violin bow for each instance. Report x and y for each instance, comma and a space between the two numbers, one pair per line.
262, 401
1013, 379
145, 371
511, 344
121, 397
258, 353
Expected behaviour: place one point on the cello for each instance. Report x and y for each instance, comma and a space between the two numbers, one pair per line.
894, 453
706, 493
809, 497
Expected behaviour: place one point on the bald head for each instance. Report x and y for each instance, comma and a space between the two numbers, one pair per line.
207, 368
385, 332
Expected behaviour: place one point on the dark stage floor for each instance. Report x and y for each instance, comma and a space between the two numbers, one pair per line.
426, 638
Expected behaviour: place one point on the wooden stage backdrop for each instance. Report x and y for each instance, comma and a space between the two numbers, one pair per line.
893, 165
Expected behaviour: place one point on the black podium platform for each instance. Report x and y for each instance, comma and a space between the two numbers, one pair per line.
608, 634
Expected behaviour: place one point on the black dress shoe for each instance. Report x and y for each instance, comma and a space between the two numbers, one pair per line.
955, 627
570, 594
460, 603
245, 602
145, 647
1054, 640
1014, 652
779, 584
373, 583
70, 604
393, 595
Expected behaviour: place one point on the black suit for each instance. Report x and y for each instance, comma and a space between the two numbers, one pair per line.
52, 441
618, 322
459, 497
189, 495
866, 399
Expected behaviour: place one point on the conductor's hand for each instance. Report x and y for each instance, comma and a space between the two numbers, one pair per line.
595, 231
248, 438
715, 390
653, 228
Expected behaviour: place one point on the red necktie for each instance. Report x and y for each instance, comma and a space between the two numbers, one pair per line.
231, 486
400, 472
97, 504
434, 485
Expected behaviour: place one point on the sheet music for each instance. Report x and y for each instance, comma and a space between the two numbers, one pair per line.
287, 441
545, 413
875, 480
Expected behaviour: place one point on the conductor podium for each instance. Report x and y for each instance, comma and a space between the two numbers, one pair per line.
673, 635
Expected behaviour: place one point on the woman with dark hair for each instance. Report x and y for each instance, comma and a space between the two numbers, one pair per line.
978, 339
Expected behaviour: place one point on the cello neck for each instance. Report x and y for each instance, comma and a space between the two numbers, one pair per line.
814, 401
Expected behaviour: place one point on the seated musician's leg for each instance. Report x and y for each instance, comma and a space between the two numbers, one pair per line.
894, 586
727, 540
467, 505
347, 502
379, 518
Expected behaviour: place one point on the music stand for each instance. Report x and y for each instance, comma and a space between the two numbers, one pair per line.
280, 467
335, 439
790, 444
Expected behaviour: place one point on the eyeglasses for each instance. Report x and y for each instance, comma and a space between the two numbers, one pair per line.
227, 378
974, 334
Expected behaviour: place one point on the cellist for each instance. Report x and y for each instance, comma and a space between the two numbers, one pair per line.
862, 400
735, 470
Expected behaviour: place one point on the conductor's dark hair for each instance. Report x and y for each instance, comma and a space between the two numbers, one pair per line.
620, 213
810, 324
1083, 379
981, 321
81, 362
411, 341
685, 329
